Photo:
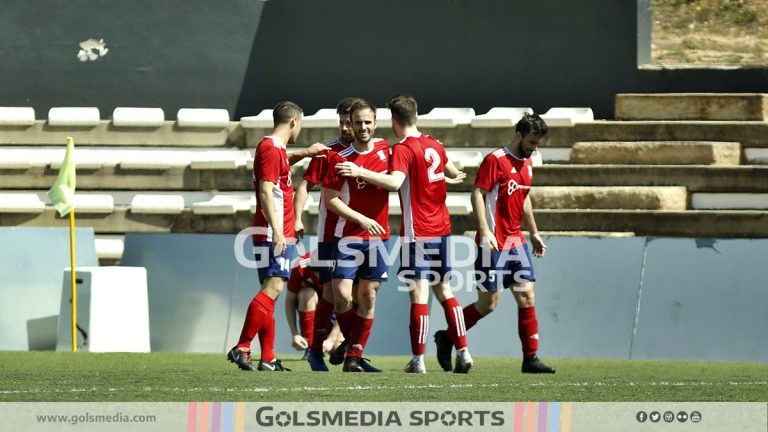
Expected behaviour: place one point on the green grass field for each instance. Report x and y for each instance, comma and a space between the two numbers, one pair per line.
49, 376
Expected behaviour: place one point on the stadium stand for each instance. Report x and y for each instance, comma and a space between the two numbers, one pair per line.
140, 173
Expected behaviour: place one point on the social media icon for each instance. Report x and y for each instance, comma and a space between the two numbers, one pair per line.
641, 416
695, 416
655, 416
669, 416
682, 416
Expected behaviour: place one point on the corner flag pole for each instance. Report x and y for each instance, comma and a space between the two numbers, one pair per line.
62, 196
74, 277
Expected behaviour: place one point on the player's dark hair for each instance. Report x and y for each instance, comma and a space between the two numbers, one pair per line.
345, 105
532, 123
362, 104
404, 109
284, 111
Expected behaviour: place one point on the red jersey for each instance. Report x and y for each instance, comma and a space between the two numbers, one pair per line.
361, 196
303, 275
508, 180
316, 171
271, 164
422, 196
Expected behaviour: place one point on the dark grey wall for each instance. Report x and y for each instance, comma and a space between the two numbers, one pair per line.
245, 55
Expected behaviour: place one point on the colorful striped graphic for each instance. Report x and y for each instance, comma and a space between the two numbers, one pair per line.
542, 417
519, 410
216, 417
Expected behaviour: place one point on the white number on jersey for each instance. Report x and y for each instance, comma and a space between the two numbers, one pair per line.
431, 154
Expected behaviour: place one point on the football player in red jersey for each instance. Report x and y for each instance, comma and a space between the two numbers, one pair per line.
362, 231
316, 172
273, 234
419, 169
501, 202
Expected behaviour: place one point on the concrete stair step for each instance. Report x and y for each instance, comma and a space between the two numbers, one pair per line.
692, 106
609, 197
657, 153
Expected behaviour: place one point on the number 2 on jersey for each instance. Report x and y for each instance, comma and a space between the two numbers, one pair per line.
432, 173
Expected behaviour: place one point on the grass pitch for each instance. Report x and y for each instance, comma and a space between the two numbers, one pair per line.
50, 376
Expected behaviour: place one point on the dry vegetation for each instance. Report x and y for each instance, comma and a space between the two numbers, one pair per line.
706, 32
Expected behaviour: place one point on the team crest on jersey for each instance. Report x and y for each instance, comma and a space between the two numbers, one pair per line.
360, 183
513, 186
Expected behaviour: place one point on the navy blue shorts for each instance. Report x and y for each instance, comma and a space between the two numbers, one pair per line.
325, 252
499, 270
426, 259
361, 259
269, 265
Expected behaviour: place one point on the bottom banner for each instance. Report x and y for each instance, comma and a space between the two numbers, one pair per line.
506, 416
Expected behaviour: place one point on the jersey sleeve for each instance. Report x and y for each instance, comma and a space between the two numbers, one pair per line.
269, 163
332, 179
401, 159
317, 169
488, 172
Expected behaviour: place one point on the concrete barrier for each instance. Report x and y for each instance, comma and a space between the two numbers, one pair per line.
692, 106
657, 153
609, 197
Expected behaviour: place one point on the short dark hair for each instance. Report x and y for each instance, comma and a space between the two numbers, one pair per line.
362, 104
284, 111
532, 123
404, 109
344, 105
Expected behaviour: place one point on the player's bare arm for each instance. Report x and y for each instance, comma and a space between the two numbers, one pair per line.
299, 200
312, 151
487, 237
291, 306
336, 205
390, 182
453, 175
267, 201
539, 248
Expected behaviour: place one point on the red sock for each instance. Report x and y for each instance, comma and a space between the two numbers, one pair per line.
360, 332
267, 340
307, 325
419, 328
262, 306
528, 328
471, 316
454, 316
346, 321
323, 315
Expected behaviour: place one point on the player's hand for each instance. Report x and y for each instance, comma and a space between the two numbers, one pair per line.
372, 227
488, 240
278, 243
456, 180
299, 342
348, 169
328, 345
539, 248
299, 229
316, 149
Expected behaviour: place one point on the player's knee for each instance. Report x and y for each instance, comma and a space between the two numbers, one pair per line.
524, 295
487, 304
307, 298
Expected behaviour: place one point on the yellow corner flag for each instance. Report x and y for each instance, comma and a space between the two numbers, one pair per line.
62, 194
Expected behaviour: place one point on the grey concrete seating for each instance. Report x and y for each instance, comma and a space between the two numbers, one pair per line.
138, 117
657, 153
568, 116
446, 117
757, 156
609, 197
500, 117
323, 118
263, 120
21, 203
692, 106
73, 116
731, 201
202, 118
17, 116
